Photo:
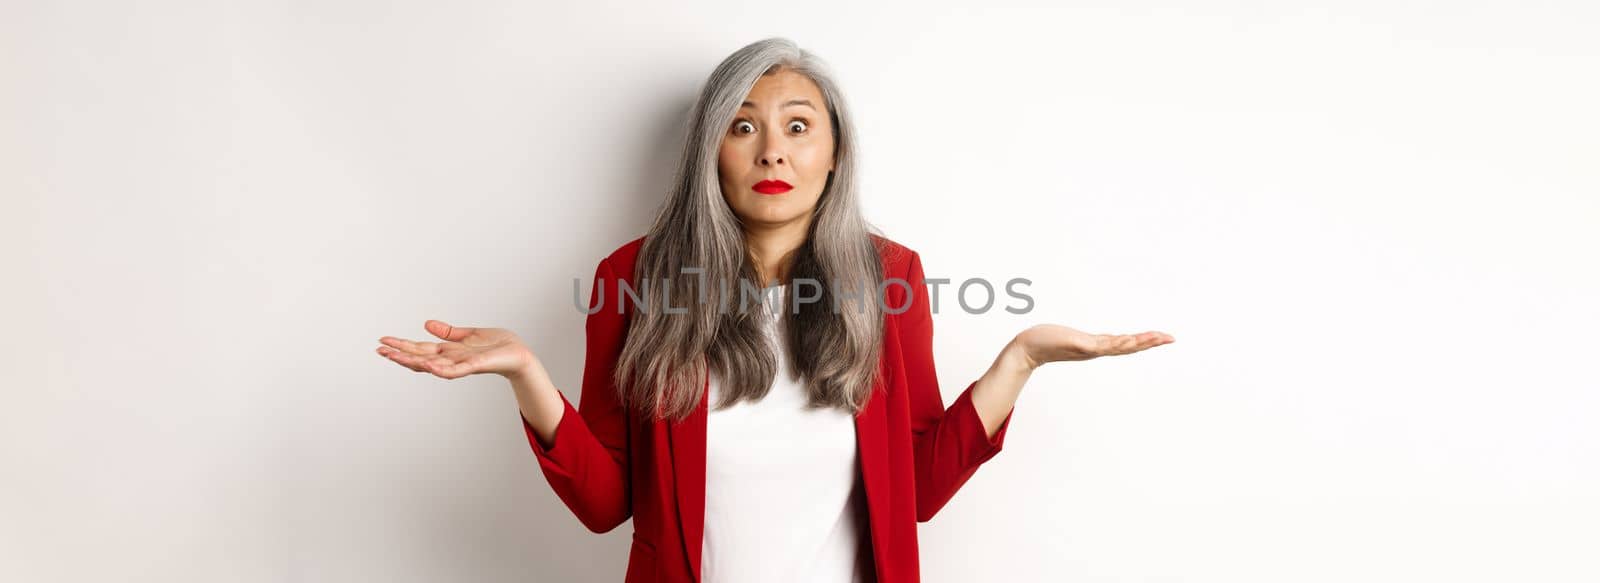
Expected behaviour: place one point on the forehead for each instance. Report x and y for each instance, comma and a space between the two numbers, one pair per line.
772, 90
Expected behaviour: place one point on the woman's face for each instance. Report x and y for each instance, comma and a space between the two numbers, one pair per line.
780, 134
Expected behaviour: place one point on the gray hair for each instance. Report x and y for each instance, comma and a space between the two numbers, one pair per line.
835, 349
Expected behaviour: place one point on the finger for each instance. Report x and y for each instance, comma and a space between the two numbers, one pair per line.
1144, 341
1114, 344
401, 358
446, 331
1154, 338
409, 361
413, 347
1128, 343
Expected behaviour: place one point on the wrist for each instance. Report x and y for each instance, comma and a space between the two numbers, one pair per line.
525, 374
1015, 358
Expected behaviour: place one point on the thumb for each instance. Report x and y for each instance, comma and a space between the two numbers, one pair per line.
446, 331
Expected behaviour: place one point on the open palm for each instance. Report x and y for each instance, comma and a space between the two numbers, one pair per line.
1051, 343
465, 351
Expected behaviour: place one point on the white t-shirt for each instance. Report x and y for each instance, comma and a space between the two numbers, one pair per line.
784, 500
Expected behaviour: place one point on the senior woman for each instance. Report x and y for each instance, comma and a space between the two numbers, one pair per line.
828, 439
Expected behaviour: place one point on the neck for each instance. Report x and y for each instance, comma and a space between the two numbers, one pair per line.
772, 248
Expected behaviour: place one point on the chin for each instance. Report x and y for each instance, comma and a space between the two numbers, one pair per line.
771, 216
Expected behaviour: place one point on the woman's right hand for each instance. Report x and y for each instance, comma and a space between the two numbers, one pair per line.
465, 351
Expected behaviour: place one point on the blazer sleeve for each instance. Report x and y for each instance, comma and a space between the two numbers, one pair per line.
587, 461
949, 443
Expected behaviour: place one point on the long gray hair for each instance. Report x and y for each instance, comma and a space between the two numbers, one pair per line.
835, 344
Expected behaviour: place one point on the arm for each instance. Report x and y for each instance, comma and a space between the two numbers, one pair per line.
996, 392
585, 455
949, 443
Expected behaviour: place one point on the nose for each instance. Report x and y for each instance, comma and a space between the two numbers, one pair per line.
771, 152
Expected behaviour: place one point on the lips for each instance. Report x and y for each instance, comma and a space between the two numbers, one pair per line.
772, 187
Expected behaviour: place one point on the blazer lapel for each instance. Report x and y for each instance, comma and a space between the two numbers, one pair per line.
688, 442
872, 441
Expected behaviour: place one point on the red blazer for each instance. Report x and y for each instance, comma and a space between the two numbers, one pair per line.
607, 464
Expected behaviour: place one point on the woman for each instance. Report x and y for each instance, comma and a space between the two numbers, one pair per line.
829, 440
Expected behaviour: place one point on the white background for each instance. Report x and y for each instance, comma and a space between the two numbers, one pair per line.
1371, 227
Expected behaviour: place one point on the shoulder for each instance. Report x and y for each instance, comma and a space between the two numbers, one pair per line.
897, 258
621, 260
903, 265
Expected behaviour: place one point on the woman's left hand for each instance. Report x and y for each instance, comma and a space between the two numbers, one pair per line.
1050, 343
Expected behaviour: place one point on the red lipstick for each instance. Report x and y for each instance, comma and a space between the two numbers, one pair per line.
772, 187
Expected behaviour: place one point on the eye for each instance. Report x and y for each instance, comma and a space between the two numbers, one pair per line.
800, 123
739, 125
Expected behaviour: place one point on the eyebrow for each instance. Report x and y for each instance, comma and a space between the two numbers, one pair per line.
789, 103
